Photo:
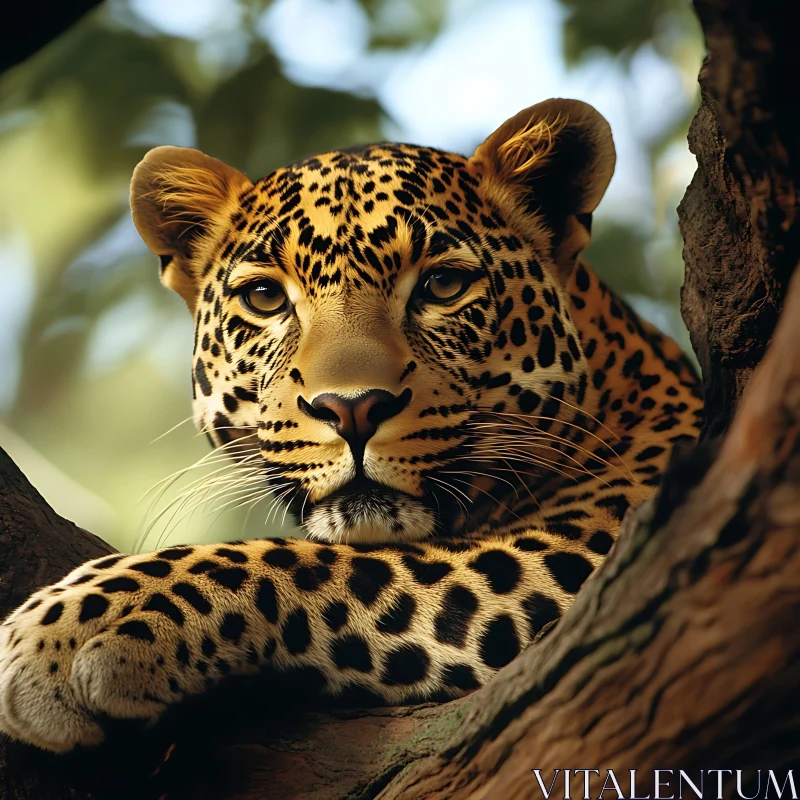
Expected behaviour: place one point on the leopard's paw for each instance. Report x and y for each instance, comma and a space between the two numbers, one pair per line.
122, 637
70, 659
37, 701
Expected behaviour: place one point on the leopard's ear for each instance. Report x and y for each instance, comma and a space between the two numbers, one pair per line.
553, 161
180, 198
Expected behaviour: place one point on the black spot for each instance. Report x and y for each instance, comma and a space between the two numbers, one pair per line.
529, 544
158, 602
326, 555
568, 569
53, 614
518, 337
581, 278
405, 665
546, 354
202, 566
230, 577
451, 624
351, 652
137, 629
107, 562
426, 572
93, 606
155, 569
528, 364
335, 615
113, 585
53, 667
267, 600
648, 453
539, 610
600, 542
501, 569
566, 529
174, 686
182, 653
634, 363
499, 643
202, 378
397, 618
232, 627
369, 578
280, 557
311, 578
460, 676
296, 633
208, 647
237, 556
617, 504
245, 395
192, 596
175, 553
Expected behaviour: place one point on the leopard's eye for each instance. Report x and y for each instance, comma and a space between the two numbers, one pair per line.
445, 285
264, 298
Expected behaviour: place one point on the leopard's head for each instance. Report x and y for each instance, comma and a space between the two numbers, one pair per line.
364, 314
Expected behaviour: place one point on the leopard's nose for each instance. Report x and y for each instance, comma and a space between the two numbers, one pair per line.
356, 418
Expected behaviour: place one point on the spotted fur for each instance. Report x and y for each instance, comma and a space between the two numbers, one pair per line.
459, 469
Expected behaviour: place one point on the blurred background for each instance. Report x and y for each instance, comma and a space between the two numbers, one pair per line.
95, 355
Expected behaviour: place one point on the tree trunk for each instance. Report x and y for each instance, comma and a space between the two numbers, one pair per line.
680, 652
739, 215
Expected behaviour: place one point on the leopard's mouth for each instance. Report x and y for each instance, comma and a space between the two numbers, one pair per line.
364, 510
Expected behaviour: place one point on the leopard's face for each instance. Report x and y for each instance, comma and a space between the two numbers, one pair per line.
365, 318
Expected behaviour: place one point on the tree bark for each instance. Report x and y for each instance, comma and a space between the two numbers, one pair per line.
37, 547
681, 651
739, 215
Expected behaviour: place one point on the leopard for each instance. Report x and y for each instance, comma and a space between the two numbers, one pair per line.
409, 349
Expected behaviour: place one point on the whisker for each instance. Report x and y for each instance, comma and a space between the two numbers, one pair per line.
212, 457
517, 446
488, 494
276, 504
526, 417
205, 489
547, 464
303, 507
191, 504
229, 472
541, 435
173, 428
287, 504
601, 424
483, 475
242, 496
452, 491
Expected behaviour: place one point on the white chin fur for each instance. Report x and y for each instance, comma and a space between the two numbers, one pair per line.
402, 520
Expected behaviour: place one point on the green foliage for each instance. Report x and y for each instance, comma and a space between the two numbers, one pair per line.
621, 26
